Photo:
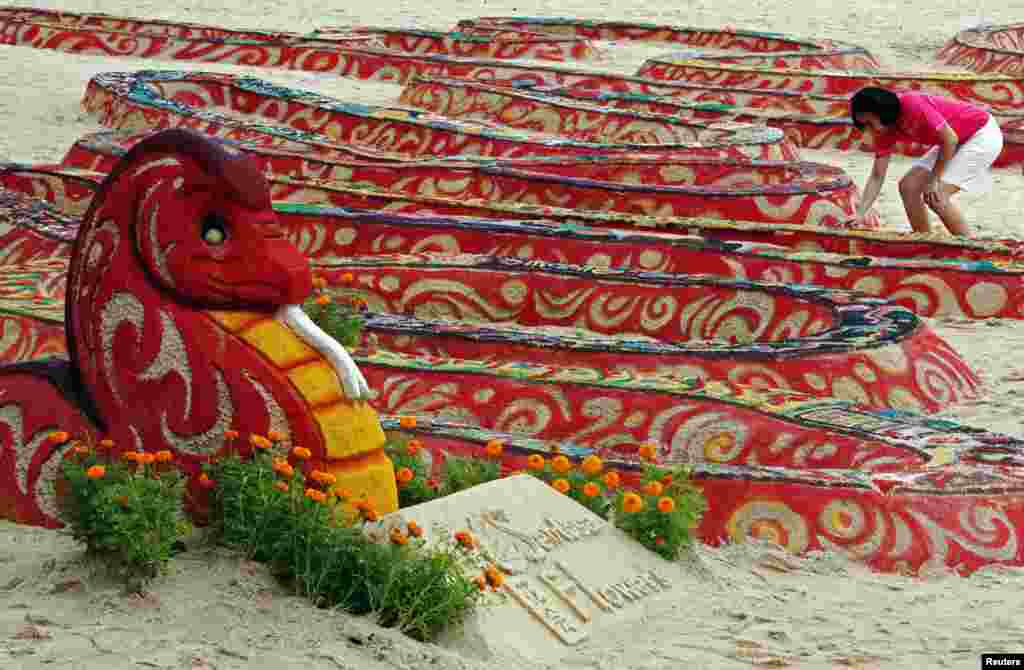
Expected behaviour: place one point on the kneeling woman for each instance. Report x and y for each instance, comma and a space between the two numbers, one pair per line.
965, 141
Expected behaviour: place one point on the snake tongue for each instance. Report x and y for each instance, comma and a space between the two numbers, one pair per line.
351, 379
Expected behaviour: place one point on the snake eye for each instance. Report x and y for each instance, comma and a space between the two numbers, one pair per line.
214, 229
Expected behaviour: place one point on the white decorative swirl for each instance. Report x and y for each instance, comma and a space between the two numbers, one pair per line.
770, 521
554, 306
524, 415
824, 212
278, 418
11, 416
172, 359
700, 434
472, 307
929, 294
122, 308
656, 314
845, 520
981, 528
160, 162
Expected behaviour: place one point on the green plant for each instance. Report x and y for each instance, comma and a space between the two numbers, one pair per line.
421, 588
277, 512
340, 318
663, 512
415, 485
126, 510
462, 472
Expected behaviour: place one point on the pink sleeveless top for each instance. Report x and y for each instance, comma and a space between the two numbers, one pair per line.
922, 116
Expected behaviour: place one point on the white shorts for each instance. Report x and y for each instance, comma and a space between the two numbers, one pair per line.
971, 167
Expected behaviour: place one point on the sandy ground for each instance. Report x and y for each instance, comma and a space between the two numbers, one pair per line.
749, 607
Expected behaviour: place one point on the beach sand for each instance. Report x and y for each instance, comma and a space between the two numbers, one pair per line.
750, 606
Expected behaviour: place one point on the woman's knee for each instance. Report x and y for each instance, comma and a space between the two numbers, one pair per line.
911, 186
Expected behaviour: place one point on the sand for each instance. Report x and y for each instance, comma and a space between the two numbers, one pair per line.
749, 606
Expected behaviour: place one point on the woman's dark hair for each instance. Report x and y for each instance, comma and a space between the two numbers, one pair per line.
879, 101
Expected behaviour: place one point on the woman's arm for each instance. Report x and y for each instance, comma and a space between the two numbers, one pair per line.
873, 185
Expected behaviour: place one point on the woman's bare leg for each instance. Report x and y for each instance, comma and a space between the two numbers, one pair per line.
949, 212
912, 187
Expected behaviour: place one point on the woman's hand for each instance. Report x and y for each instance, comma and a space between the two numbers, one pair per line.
932, 193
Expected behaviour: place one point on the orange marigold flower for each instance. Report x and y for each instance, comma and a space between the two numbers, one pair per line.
230, 434
667, 479
347, 278
275, 436
315, 495
404, 475
105, 444
79, 449
302, 453
561, 485
648, 451
206, 482
259, 442
465, 539
95, 472
164, 456
284, 469
147, 458
632, 503
281, 486
590, 489
494, 448
323, 300
494, 577
343, 494
131, 456
535, 462
407, 421
398, 537
653, 488
561, 464
319, 282
414, 529
370, 514
592, 465
611, 479
58, 437
322, 477
413, 447
666, 504
481, 582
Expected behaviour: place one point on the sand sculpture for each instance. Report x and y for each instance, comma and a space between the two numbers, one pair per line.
808, 471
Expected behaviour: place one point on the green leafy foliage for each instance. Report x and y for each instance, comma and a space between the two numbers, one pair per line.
129, 513
311, 536
663, 527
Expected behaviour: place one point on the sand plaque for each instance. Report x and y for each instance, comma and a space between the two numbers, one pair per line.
569, 572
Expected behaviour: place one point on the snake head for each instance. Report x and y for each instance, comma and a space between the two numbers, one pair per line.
203, 225
229, 253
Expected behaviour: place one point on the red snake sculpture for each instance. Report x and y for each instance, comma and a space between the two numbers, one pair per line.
183, 323
895, 489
